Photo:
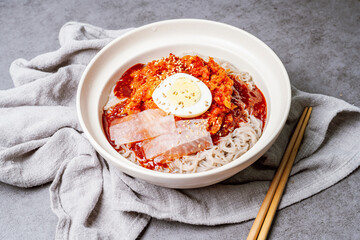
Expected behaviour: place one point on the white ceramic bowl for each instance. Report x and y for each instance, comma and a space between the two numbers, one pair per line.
157, 40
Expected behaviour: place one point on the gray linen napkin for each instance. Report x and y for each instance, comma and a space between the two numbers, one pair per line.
41, 141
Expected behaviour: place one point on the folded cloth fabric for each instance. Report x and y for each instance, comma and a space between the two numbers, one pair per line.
42, 141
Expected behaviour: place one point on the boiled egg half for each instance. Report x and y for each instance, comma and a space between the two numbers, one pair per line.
182, 95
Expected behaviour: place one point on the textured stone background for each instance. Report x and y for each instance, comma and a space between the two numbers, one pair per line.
318, 42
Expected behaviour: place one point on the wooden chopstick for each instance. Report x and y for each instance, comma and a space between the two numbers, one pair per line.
263, 220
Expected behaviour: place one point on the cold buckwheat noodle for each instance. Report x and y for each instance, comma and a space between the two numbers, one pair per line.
247, 113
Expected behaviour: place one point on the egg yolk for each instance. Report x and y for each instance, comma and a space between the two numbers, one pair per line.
184, 92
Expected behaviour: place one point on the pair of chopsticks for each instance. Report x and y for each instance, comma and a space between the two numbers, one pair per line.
265, 216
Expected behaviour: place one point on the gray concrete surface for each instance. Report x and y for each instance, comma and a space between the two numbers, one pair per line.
318, 42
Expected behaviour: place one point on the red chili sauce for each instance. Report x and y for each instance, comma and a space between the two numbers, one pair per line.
244, 98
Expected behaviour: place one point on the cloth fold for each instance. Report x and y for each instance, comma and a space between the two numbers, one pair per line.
42, 141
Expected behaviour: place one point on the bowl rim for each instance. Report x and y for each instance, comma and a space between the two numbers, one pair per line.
163, 175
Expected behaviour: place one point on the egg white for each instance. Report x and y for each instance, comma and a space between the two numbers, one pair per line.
201, 106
